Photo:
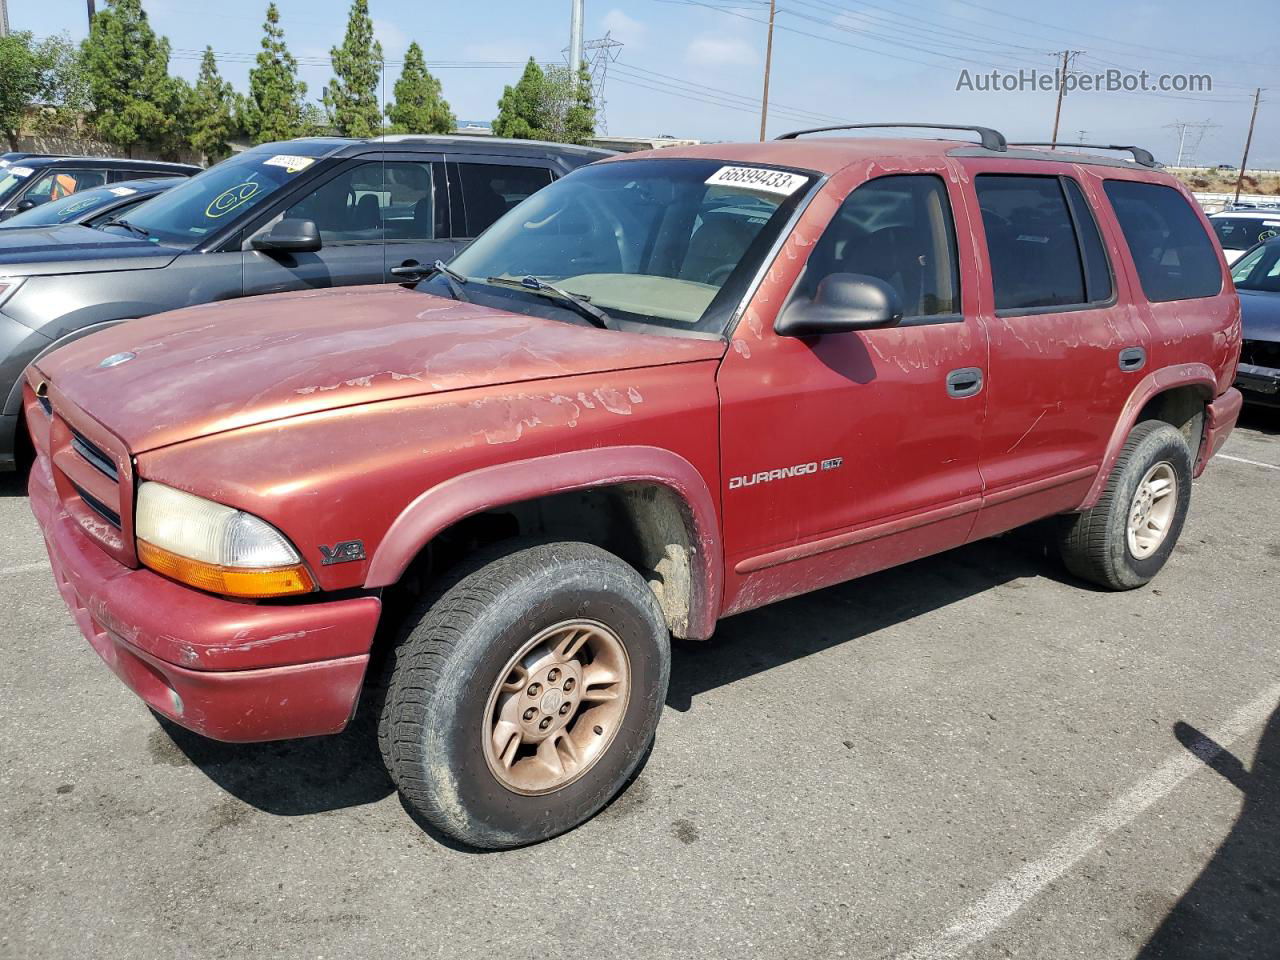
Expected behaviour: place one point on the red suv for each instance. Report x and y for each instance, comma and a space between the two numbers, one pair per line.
665, 389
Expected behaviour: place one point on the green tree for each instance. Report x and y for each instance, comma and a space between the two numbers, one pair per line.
135, 101
419, 106
352, 95
27, 81
212, 111
521, 111
274, 108
547, 104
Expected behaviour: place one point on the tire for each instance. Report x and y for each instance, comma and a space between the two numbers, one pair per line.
1095, 544
442, 717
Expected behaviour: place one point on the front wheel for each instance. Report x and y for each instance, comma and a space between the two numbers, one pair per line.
524, 697
1124, 540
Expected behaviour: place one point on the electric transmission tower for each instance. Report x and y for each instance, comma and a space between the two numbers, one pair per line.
600, 53
1190, 136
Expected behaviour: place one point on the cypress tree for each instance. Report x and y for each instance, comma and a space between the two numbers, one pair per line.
274, 108
419, 106
521, 111
352, 95
212, 111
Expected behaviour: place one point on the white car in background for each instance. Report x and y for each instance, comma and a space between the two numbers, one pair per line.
1238, 230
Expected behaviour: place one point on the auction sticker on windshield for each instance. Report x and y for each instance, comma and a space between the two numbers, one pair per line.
290, 164
758, 180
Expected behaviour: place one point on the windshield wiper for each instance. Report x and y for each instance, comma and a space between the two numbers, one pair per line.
131, 227
578, 304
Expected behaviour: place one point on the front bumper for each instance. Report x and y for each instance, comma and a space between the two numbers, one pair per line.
1260, 384
228, 670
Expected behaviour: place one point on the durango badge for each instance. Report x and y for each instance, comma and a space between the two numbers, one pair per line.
116, 359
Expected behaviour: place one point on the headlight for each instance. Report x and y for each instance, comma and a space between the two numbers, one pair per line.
215, 547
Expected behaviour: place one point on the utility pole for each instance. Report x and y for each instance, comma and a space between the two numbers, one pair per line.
1248, 140
4, 18
1067, 56
92, 13
768, 65
575, 38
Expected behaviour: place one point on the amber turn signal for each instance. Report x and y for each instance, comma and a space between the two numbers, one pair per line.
229, 581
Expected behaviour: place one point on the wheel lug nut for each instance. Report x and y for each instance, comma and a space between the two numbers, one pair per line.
564, 708
553, 675
535, 689
568, 684
530, 713
545, 722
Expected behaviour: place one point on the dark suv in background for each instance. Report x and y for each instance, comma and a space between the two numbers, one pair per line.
303, 214
28, 181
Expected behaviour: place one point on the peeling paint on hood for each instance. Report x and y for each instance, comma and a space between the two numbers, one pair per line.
216, 367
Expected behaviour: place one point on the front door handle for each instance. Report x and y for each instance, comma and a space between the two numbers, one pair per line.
1132, 359
965, 382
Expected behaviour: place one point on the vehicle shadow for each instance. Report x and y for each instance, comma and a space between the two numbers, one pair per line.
1263, 419
13, 484
1233, 908
298, 777
762, 639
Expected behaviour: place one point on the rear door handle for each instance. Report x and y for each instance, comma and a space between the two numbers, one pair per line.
1132, 359
965, 382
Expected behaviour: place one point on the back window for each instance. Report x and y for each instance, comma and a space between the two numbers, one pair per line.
1036, 256
489, 190
1175, 258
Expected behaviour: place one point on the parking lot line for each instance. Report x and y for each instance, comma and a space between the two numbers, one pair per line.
1256, 463
24, 568
1017, 889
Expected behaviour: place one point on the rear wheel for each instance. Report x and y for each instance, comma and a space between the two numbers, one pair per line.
1124, 540
525, 695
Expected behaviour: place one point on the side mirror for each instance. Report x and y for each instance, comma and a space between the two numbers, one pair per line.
289, 236
842, 303
25, 205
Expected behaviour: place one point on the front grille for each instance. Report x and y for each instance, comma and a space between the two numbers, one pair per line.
97, 506
91, 452
1261, 353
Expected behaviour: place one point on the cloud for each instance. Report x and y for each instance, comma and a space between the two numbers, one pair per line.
394, 40
720, 51
627, 29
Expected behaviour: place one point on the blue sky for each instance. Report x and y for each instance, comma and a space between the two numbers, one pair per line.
693, 67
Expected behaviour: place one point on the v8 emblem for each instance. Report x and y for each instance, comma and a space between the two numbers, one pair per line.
344, 552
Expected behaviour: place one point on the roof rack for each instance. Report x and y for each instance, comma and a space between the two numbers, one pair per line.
991, 139
1140, 155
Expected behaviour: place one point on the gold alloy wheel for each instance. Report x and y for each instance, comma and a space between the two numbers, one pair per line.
556, 707
1152, 510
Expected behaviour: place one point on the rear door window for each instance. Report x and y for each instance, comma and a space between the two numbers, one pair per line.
1035, 239
489, 190
1174, 256
63, 182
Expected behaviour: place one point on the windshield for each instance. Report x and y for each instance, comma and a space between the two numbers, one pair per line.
1241, 233
1259, 269
667, 242
215, 198
69, 208
11, 177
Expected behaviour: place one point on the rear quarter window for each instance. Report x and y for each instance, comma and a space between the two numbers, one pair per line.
1173, 254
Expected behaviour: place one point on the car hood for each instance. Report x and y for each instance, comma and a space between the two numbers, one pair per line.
72, 248
1260, 313
216, 367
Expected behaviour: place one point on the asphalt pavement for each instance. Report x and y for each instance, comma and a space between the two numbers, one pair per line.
970, 756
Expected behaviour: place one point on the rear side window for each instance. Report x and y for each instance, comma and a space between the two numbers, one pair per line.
1044, 245
489, 190
1175, 258
899, 230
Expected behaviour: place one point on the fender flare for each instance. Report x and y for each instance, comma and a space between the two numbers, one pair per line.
478, 490
1158, 381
